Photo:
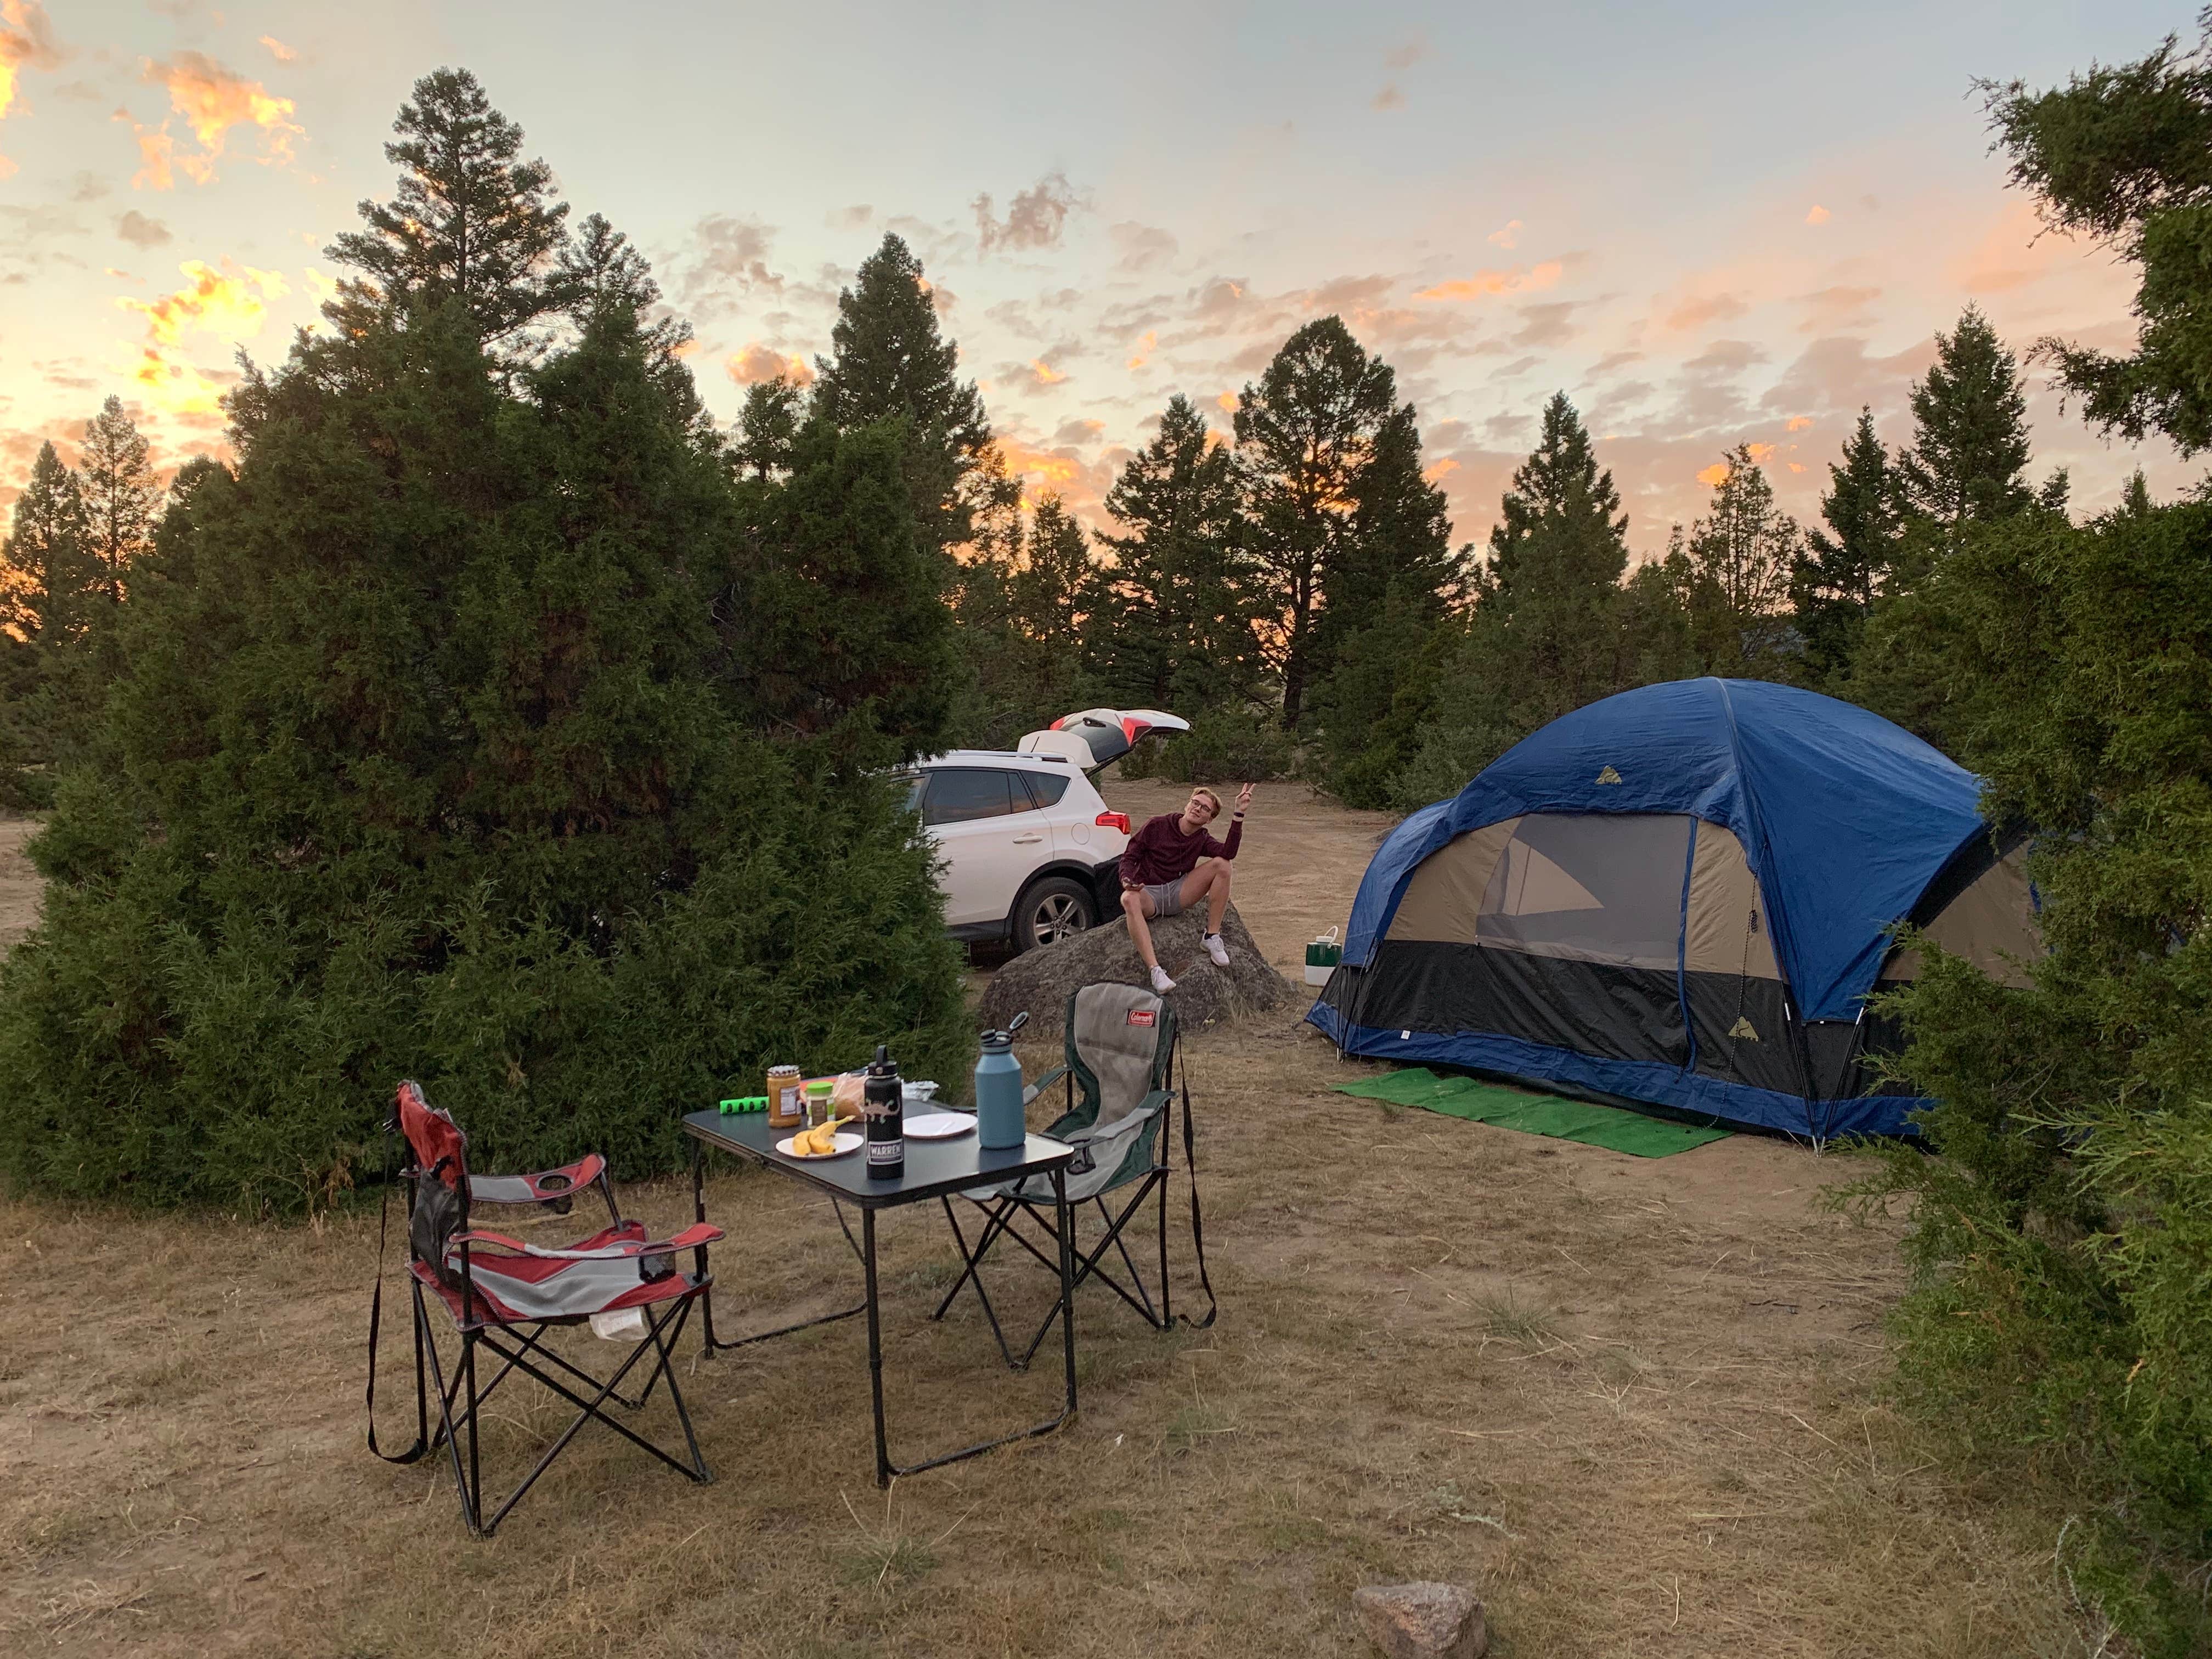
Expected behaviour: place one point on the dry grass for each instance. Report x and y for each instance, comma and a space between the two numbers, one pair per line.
1634, 1403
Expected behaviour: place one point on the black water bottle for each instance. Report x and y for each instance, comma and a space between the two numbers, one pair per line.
882, 1103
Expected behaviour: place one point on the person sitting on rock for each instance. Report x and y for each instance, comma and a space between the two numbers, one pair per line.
1170, 864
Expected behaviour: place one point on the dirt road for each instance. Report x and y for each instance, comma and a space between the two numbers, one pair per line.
18, 882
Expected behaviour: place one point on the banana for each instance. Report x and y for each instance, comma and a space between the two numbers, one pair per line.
819, 1141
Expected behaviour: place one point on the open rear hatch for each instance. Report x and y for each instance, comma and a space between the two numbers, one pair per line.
1097, 737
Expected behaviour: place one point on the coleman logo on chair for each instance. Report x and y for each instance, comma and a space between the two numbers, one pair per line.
1143, 1016
1608, 776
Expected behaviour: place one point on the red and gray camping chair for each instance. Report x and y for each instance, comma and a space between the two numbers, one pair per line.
1120, 1055
504, 1295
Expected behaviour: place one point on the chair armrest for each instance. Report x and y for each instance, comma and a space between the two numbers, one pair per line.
1042, 1084
1148, 1106
544, 1186
691, 1237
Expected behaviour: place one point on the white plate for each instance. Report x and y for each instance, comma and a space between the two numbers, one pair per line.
939, 1125
848, 1140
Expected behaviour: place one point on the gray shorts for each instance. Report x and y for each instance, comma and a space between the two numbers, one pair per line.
1166, 897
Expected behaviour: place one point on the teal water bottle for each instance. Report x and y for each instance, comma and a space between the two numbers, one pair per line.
998, 1122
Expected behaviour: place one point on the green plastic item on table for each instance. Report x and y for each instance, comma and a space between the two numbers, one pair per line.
745, 1103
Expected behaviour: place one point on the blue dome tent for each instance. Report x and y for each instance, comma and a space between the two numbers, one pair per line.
1681, 896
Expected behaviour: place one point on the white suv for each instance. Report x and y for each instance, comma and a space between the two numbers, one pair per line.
1032, 852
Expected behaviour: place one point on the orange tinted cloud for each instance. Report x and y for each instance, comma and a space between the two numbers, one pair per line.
1819, 215
1758, 452
1509, 238
757, 362
1711, 476
1045, 372
229, 302
1696, 312
1227, 400
27, 41
1797, 423
1521, 279
279, 50
212, 101
174, 385
1437, 471
1144, 352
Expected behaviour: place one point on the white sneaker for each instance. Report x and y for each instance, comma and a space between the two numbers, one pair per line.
1215, 949
1161, 982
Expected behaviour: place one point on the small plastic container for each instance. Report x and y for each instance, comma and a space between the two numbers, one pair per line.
820, 1106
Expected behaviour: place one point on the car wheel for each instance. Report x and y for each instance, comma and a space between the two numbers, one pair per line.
1051, 910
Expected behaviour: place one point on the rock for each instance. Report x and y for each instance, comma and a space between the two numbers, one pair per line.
1423, 1621
1041, 980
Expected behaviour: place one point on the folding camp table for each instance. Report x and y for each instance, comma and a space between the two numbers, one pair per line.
934, 1169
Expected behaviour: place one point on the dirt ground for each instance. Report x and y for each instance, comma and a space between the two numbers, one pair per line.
1633, 1402
18, 882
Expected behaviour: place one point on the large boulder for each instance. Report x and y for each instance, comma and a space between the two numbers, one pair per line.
1041, 980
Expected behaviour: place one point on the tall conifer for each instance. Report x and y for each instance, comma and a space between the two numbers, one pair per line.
120, 494
1304, 434
1967, 461
1175, 627
889, 361
54, 577
470, 223
1835, 583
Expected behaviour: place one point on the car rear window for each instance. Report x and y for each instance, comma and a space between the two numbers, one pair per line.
1045, 788
960, 795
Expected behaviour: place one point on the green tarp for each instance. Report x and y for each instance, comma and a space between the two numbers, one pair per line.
1536, 1115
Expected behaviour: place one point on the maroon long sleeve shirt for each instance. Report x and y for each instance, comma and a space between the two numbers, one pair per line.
1161, 852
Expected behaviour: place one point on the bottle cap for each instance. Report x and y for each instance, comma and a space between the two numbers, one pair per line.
882, 1065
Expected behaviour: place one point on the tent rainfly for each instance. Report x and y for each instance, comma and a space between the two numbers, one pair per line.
1681, 895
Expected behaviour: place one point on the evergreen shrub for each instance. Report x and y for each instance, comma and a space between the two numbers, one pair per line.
437, 754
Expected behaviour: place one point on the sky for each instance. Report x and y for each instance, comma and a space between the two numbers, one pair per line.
1709, 224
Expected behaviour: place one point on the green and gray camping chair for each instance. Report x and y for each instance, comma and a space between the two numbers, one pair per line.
1120, 1055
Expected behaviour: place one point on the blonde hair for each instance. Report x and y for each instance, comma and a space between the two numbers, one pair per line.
1209, 795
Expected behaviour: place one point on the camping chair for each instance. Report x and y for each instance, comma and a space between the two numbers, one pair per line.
1121, 1052
504, 1295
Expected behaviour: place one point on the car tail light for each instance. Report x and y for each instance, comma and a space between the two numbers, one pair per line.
1113, 821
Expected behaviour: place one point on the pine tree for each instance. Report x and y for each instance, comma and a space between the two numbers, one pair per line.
1833, 585
120, 494
1561, 487
767, 425
471, 223
1967, 462
889, 361
1733, 570
1557, 553
1553, 625
1173, 629
2117, 155
1400, 539
1304, 434
55, 579
839, 611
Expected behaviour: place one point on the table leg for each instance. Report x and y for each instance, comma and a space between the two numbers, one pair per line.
1066, 1219
875, 1346
699, 1255
713, 1344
